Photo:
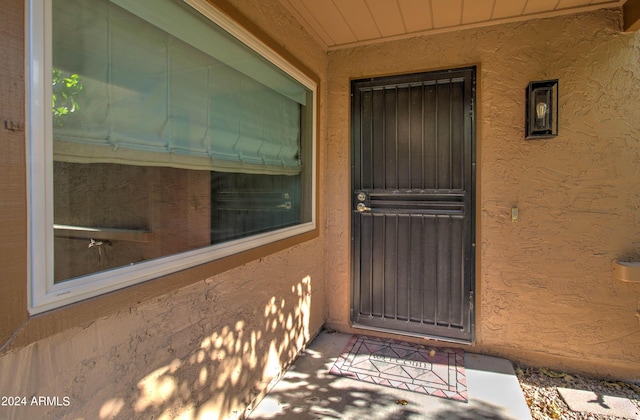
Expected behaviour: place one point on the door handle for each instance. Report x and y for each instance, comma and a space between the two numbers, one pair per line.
361, 208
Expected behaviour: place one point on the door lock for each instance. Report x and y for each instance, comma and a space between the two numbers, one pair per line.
361, 207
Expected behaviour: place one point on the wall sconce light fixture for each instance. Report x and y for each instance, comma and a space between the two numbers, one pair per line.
542, 110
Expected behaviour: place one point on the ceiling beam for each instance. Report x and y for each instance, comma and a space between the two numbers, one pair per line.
631, 13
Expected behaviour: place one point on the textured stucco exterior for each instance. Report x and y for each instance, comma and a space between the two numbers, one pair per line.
208, 349
545, 293
207, 341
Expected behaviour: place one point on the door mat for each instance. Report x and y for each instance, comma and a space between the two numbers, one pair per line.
398, 364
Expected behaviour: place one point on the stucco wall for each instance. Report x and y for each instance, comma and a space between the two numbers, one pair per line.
207, 349
201, 342
545, 293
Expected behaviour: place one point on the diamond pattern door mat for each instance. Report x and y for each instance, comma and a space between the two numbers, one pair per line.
397, 364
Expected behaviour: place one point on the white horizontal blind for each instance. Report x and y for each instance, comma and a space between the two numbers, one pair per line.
161, 90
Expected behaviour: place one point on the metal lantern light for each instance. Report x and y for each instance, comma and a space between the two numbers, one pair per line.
542, 110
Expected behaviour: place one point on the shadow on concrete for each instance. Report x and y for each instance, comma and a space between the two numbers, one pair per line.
320, 395
307, 391
480, 411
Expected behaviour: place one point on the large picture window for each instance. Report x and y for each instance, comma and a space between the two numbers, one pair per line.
158, 141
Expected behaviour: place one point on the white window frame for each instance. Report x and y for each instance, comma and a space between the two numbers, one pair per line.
43, 294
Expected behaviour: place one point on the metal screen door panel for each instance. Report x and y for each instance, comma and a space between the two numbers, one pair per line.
413, 204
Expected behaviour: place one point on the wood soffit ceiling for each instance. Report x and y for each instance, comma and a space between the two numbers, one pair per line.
348, 23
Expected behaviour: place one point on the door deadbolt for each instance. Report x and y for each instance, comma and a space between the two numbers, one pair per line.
362, 196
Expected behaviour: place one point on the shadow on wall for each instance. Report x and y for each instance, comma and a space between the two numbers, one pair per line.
223, 373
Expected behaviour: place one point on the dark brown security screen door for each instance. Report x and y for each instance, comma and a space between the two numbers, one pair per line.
413, 204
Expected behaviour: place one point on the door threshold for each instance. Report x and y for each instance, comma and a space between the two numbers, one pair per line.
414, 335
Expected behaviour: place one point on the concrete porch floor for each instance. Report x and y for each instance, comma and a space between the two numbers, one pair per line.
308, 391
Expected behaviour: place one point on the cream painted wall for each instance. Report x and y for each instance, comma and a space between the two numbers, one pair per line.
545, 293
204, 350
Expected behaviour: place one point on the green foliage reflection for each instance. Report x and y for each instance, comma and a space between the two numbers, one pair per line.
65, 89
